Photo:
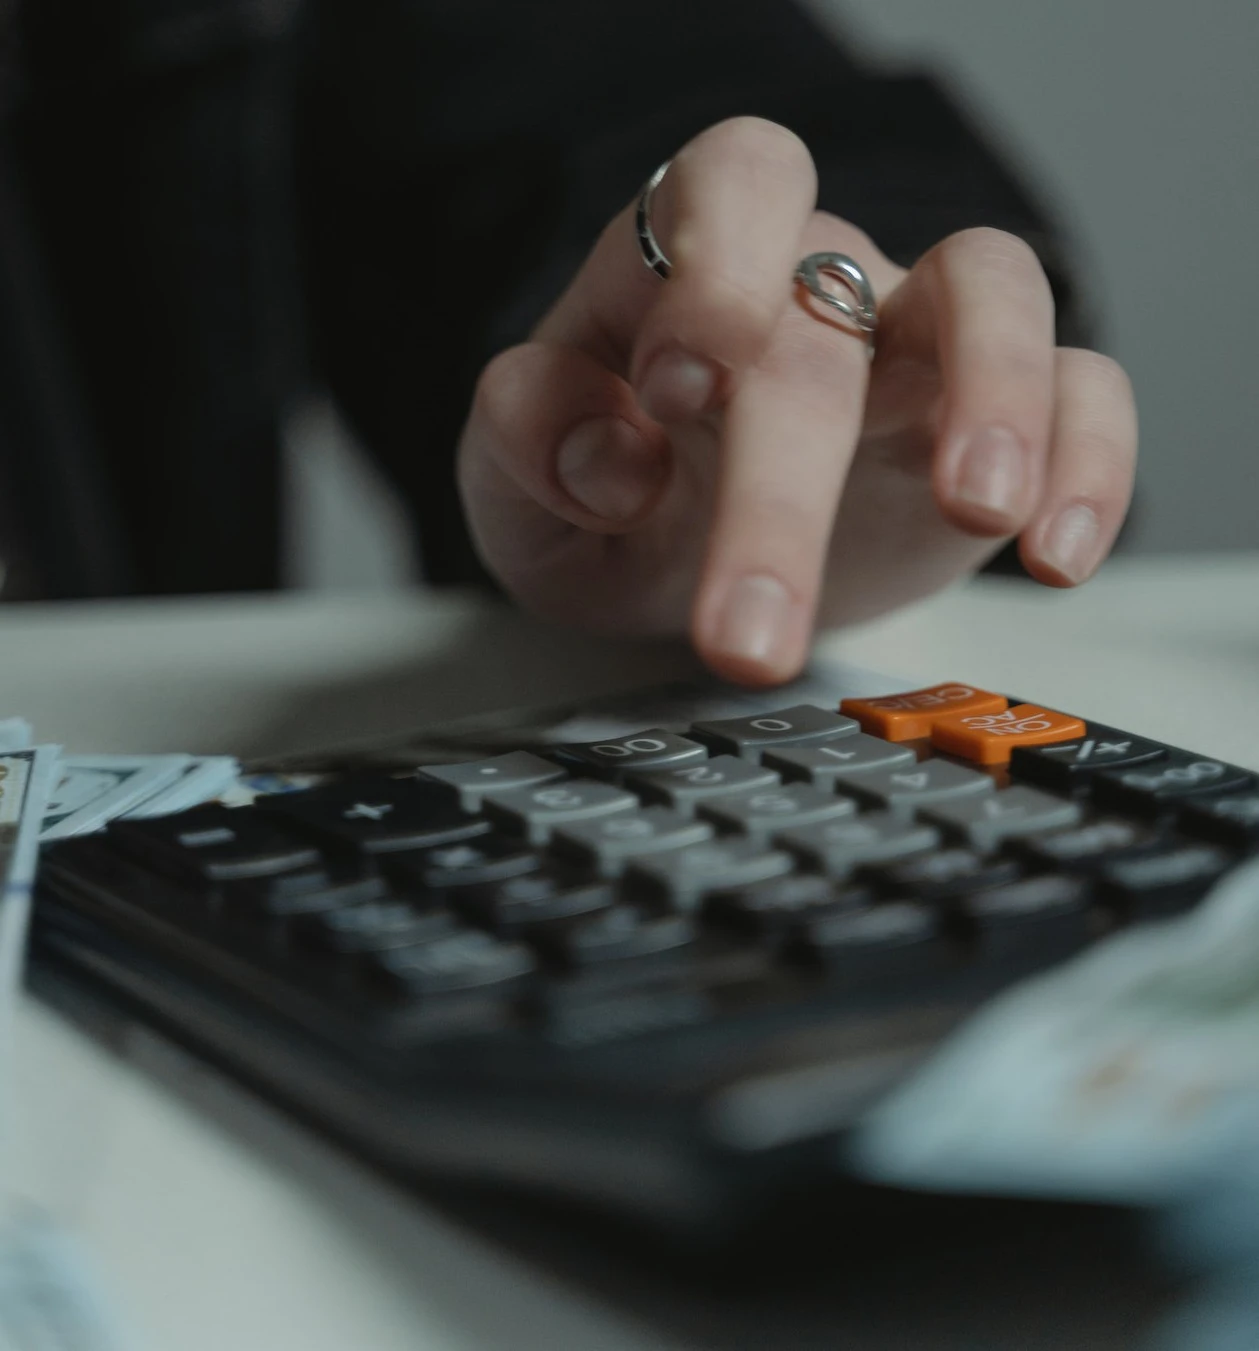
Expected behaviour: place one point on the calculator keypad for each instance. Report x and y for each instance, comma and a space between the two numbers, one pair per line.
793, 847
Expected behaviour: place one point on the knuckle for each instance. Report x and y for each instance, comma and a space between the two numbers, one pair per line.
1096, 372
503, 381
834, 233
759, 142
986, 249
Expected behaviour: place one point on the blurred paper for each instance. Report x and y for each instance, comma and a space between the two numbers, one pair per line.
1124, 1076
15, 734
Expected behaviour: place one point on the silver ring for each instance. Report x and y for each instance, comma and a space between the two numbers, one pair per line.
809, 272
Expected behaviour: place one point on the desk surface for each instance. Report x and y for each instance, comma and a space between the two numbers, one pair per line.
217, 1223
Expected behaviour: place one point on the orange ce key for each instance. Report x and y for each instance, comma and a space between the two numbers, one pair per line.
907, 717
988, 738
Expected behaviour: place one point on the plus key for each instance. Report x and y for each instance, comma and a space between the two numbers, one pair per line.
1069, 765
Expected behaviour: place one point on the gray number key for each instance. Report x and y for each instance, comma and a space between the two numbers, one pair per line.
760, 814
822, 765
687, 785
837, 847
984, 822
497, 774
683, 877
905, 790
798, 726
611, 841
535, 812
617, 756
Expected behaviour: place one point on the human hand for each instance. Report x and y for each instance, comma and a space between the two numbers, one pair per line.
717, 453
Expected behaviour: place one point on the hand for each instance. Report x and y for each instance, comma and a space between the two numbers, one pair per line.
716, 452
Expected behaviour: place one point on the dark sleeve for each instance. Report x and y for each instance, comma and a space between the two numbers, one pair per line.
457, 159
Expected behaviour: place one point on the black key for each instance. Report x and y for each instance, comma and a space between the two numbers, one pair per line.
371, 928
215, 844
903, 791
535, 812
1046, 916
783, 904
469, 782
541, 898
837, 847
618, 935
798, 726
1232, 819
608, 844
985, 822
291, 894
1163, 883
944, 875
375, 814
769, 810
681, 878
617, 756
1164, 783
684, 788
461, 962
822, 765
473, 863
1070, 765
882, 944
1089, 846
583, 1021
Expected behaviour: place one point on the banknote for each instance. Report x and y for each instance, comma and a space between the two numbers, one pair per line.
202, 779
94, 789
15, 734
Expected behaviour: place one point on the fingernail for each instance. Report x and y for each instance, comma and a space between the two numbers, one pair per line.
607, 467
756, 619
677, 387
992, 471
1070, 544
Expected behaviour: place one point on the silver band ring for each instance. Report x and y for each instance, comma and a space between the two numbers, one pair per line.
863, 315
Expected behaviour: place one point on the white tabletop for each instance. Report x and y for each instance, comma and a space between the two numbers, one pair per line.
216, 1222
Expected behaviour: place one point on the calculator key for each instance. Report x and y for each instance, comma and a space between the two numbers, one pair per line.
909, 717
1070, 765
783, 807
617, 756
822, 765
609, 843
1232, 819
215, 844
682, 877
919, 785
540, 898
683, 788
470, 782
782, 904
986, 822
535, 812
989, 738
1162, 883
463, 961
1163, 783
371, 927
375, 814
837, 847
1088, 846
470, 863
1047, 916
749, 737
885, 943
620, 934
304, 893
944, 875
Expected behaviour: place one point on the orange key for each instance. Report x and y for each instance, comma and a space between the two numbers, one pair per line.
988, 738
907, 717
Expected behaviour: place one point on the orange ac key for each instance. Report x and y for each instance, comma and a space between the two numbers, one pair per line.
988, 738
907, 717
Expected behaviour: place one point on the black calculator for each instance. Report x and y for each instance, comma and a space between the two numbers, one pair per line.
660, 973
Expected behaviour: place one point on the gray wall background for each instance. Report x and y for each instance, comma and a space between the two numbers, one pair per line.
1140, 118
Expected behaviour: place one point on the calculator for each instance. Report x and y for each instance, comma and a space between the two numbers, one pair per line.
662, 970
